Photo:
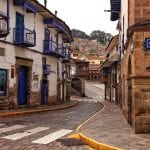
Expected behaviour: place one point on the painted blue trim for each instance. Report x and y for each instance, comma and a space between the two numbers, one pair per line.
28, 6
55, 24
22, 86
24, 37
44, 92
147, 43
18, 2
52, 48
5, 90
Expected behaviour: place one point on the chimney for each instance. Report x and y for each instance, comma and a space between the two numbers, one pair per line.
55, 12
45, 3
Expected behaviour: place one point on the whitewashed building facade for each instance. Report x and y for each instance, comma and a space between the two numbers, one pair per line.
32, 52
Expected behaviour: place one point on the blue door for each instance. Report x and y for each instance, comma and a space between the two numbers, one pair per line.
44, 92
47, 40
22, 86
19, 27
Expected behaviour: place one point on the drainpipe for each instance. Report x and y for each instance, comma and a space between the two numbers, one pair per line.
8, 15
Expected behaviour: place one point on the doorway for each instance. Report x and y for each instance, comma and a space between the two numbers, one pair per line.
44, 92
22, 86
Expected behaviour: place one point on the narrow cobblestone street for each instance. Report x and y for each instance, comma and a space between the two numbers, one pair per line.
108, 126
50, 121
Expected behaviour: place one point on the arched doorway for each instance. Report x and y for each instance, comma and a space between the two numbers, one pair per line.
76, 84
129, 98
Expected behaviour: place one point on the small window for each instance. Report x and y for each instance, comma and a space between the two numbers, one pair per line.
3, 82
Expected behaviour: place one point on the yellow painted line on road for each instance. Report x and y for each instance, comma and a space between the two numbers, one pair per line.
92, 143
83, 123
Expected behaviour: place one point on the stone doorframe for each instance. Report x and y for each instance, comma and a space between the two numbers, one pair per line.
129, 94
26, 63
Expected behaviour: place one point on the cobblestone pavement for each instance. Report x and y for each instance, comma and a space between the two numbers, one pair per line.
53, 121
110, 127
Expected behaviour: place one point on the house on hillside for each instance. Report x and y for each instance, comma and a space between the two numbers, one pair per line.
33, 54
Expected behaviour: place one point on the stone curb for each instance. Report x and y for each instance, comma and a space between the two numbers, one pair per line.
16, 113
92, 143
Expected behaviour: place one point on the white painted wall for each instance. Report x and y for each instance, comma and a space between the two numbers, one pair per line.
53, 75
124, 13
11, 51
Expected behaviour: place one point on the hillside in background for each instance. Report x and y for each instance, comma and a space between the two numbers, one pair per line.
99, 36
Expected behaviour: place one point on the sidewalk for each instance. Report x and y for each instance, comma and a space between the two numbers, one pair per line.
100, 86
15, 112
110, 127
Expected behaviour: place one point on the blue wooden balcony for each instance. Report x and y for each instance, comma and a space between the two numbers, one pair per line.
24, 37
4, 29
54, 49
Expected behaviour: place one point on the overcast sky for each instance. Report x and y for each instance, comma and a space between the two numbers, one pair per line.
85, 15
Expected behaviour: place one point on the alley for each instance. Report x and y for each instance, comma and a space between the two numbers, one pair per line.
23, 132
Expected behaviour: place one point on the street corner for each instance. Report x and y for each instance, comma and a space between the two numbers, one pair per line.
91, 142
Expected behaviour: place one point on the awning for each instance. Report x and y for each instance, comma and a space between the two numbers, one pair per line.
115, 9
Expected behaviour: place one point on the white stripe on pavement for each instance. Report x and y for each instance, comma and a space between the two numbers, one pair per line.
1, 124
24, 134
52, 137
7, 129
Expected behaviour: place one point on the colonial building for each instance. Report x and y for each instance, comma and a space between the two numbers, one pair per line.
94, 66
32, 49
110, 71
80, 70
134, 35
93, 72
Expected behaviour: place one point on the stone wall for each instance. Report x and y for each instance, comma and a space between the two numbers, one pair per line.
142, 10
135, 75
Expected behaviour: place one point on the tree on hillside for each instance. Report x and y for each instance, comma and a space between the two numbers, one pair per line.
100, 36
79, 34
